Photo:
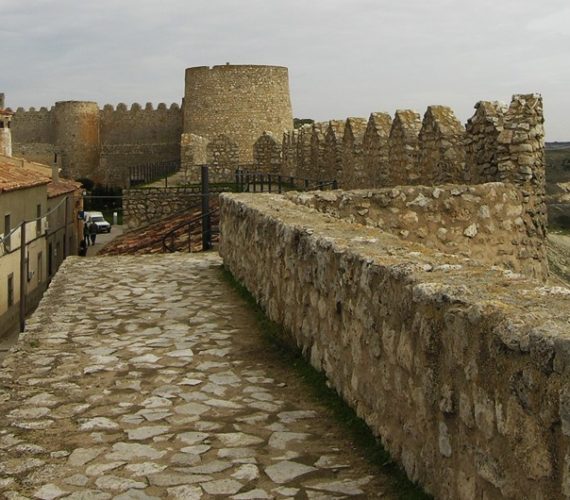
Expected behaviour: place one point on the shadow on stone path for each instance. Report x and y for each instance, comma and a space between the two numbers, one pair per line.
145, 378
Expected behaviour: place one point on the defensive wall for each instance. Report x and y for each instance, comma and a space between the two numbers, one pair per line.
425, 305
100, 144
461, 368
227, 107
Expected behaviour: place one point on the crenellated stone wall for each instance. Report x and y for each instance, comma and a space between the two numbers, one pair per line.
436, 150
461, 369
101, 144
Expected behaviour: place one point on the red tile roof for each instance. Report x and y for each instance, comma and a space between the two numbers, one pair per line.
63, 186
13, 178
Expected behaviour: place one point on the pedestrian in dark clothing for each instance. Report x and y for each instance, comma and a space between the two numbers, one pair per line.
83, 247
86, 233
93, 232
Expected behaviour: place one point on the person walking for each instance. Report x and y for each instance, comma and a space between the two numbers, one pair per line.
86, 233
93, 232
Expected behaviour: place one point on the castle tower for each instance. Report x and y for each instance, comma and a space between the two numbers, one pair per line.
240, 102
5, 132
77, 138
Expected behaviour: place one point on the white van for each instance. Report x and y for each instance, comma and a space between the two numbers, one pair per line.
97, 217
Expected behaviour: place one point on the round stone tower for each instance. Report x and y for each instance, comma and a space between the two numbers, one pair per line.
239, 101
76, 131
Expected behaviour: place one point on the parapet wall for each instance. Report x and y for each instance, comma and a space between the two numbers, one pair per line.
462, 370
483, 221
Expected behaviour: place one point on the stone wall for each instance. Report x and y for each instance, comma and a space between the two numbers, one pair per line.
239, 101
376, 147
145, 206
267, 157
99, 144
462, 370
500, 143
484, 222
353, 173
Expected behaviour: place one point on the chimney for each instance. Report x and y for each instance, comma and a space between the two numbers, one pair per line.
55, 169
5, 132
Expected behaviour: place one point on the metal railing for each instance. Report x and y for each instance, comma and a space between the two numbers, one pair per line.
151, 172
254, 182
187, 228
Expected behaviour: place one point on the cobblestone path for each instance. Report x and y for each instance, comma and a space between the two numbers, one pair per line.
144, 378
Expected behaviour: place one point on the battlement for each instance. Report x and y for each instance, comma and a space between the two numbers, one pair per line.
138, 108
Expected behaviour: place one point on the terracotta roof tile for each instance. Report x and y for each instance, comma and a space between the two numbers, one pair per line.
13, 178
63, 186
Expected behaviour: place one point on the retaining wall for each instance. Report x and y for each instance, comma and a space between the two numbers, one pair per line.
462, 370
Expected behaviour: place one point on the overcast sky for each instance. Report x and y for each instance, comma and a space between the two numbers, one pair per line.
345, 57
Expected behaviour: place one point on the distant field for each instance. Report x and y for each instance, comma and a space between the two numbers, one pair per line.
558, 163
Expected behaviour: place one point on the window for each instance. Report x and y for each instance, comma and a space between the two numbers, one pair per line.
6, 231
40, 268
38, 219
10, 289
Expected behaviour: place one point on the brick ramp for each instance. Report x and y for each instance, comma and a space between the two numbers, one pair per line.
145, 378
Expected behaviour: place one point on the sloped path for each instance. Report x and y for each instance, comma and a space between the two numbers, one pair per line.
145, 378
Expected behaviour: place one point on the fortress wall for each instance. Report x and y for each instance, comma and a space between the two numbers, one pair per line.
462, 370
267, 154
403, 149
137, 136
481, 142
33, 135
289, 152
376, 147
240, 101
193, 153
223, 156
484, 222
305, 168
353, 174
139, 125
333, 152
318, 164
441, 152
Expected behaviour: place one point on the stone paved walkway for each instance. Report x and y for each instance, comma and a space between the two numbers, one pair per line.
144, 378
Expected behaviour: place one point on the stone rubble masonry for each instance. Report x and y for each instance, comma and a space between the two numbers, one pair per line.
462, 369
499, 144
100, 144
318, 150
403, 150
376, 147
145, 206
481, 141
483, 222
333, 149
441, 150
353, 173
240, 101
267, 157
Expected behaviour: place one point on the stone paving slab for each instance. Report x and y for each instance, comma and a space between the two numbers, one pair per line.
144, 378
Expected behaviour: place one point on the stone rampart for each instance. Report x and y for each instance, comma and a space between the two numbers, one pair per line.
484, 222
267, 154
500, 143
461, 369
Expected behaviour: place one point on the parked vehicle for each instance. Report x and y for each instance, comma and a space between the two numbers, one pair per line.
103, 226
